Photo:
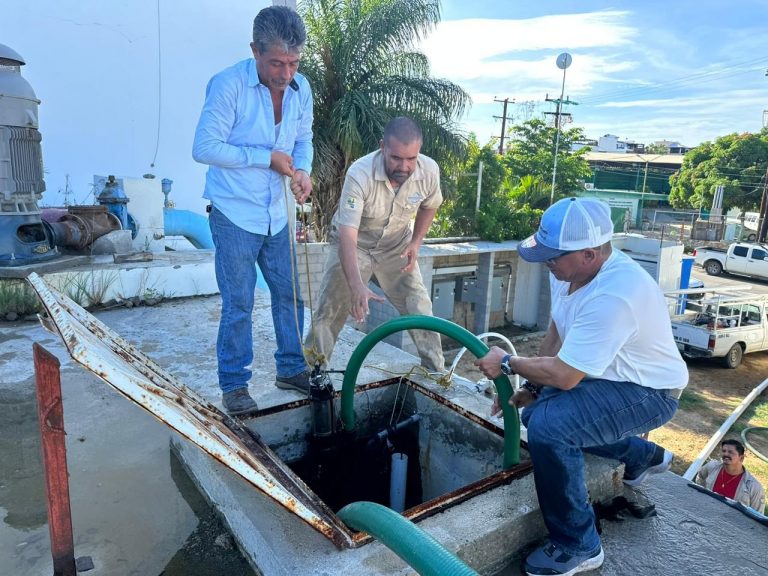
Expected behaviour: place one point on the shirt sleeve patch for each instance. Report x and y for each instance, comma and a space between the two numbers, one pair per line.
351, 203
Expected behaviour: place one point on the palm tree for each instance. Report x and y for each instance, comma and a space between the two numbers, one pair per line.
529, 190
362, 67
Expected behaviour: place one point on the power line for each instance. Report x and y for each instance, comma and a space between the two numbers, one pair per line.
682, 82
159, 87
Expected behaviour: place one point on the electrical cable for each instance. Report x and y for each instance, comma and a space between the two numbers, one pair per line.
682, 82
159, 87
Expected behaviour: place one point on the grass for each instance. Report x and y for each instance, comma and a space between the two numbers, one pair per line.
755, 415
692, 400
17, 297
89, 289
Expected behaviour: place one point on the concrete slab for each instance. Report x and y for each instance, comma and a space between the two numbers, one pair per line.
484, 531
691, 534
180, 338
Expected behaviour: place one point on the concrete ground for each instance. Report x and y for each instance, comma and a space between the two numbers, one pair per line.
691, 534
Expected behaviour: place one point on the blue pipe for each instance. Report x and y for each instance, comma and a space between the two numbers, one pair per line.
194, 227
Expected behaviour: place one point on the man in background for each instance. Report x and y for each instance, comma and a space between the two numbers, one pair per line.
730, 478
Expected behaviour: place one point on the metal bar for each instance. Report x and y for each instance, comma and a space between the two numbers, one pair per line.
50, 412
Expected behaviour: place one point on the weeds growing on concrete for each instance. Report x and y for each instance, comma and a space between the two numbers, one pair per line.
89, 289
16, 297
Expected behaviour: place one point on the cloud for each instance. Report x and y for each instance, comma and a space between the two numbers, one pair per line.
631, 74
733, 99
472, 48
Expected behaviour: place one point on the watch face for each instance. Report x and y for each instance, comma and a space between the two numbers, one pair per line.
505, 367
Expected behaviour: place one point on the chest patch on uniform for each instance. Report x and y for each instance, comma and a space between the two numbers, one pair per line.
414, 199
351, 203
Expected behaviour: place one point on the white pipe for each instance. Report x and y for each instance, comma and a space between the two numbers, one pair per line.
706, 451
397, 478
486, 335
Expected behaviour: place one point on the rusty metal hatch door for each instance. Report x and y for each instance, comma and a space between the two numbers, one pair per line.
126, 369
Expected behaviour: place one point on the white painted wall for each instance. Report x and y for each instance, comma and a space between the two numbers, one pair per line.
528, 286
146, 207
662, 260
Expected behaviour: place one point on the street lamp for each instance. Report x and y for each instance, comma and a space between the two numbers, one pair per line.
563, 61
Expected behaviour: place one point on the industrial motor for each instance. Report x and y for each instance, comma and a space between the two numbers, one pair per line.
23, 237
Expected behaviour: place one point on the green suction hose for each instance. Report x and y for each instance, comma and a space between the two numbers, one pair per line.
465, 338
422, 552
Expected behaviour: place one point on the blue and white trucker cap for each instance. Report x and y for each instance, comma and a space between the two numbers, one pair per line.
568, 225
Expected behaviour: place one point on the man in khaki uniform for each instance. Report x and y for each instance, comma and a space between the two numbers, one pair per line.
386, 208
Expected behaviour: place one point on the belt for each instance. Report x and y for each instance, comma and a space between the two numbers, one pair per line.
672, 392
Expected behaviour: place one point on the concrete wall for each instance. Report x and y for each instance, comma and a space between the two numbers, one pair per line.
526, 286
481, 261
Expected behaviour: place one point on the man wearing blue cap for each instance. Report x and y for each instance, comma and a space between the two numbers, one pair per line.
608, 370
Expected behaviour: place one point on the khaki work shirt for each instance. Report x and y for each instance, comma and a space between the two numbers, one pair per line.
382, 217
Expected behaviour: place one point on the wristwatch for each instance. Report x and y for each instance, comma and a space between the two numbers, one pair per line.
505, 367
532, 388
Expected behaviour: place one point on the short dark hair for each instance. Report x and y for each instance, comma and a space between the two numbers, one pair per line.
735, 443
403, 129
278, 25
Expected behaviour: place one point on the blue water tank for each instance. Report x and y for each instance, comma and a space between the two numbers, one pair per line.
685, 271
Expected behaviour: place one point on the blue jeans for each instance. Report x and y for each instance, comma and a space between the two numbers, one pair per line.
237, 252
597, 416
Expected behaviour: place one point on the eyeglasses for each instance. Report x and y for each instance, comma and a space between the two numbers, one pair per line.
556, 258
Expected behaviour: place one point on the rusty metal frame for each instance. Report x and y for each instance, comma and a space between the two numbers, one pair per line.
441, 503
134, 375
97, 348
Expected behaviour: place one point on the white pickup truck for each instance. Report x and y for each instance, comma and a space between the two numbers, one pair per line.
720, 325
739, 258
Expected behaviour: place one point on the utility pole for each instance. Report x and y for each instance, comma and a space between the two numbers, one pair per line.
504, 119
645, 175
479, 186
763, 220
558, 111
67, 191
563, 62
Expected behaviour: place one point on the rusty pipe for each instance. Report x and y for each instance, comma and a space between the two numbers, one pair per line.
81, 225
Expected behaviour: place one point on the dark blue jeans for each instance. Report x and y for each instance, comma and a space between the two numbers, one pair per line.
237, 252
597, 416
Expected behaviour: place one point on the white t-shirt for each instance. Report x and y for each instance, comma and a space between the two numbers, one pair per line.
618, 327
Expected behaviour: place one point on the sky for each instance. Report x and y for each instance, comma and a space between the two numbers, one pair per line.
120, 93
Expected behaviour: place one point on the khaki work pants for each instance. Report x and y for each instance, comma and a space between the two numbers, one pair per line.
405, 291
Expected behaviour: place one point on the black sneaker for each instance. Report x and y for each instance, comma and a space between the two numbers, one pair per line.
661, 461
238, 402
298, 382
549, 560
